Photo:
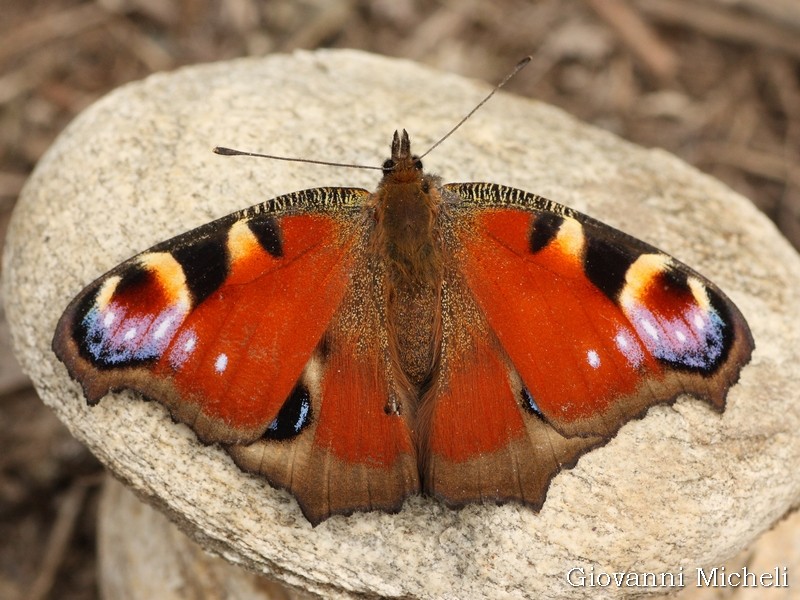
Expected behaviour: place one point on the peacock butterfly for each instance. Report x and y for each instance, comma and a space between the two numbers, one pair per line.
464, 340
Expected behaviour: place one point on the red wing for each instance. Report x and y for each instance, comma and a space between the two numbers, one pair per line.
599, 325
264, 332
559, 330
485, 439
218, 323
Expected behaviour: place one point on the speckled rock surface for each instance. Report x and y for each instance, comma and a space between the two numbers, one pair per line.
682, 487
142, 556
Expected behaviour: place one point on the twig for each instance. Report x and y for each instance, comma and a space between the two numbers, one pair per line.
59, 538
782, 12
762, 164
31, 73
446, 23
723, 24
63, 24
151, 55
781, 73
11, 183
657, 57
330, 20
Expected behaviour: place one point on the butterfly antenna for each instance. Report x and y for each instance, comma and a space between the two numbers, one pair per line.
519, 66
231, 152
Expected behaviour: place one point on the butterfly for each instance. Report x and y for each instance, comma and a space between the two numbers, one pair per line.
467, 341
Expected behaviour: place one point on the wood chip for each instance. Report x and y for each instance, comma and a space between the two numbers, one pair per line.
656, 56
60, 535
51, 26
723, 24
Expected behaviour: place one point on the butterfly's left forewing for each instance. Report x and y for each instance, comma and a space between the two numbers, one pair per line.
217, 323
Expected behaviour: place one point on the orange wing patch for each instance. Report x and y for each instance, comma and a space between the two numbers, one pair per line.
227, 365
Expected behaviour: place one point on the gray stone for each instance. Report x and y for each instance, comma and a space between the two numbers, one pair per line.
683, 486
143, 556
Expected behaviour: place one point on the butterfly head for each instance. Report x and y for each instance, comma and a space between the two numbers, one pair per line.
402, 167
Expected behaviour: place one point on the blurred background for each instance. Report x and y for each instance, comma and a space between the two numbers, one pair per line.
713, 81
